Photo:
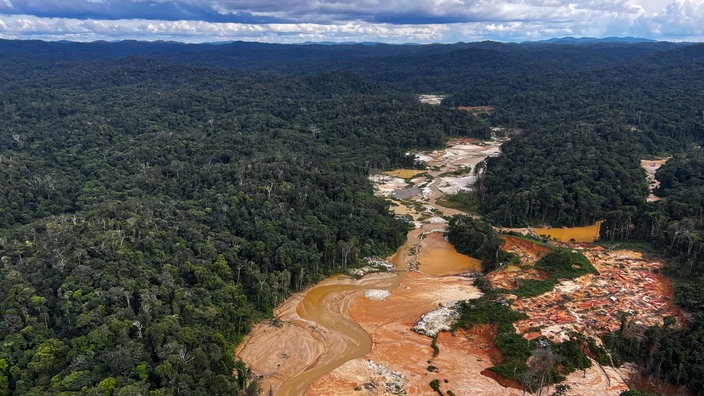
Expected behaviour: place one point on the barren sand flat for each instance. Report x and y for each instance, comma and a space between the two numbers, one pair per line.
302, 345
334, 340
395, 345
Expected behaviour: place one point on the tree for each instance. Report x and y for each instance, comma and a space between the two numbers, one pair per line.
108, 386
541, 366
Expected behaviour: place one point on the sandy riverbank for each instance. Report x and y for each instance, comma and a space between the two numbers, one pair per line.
333, 340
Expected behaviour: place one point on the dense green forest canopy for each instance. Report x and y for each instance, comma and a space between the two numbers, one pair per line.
150, 212
156, 198
585, 132
442, 68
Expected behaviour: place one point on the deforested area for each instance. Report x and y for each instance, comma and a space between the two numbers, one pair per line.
157, 200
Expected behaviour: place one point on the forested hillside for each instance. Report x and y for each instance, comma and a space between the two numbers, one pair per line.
585, 132
156, 198
576, 160
150, 212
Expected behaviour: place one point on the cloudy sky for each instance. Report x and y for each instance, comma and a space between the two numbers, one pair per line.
392, 21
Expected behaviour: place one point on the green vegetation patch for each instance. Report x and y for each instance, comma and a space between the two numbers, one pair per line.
516, 350
559, 264
638, 246
465, 170
464, 201
565, 263
478, 239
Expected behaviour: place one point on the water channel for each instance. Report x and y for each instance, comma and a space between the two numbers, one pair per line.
322, 312
315, 307
324, 336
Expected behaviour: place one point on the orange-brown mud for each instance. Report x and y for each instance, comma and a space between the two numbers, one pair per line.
438, 257
509, 276
290, 356
588, 233
585, 234
506, 383
647, 383
593, 304
367, 347
313, 334
528, 252
462, 358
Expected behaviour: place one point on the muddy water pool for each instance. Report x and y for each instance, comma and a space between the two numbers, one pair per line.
438, 257
588, 233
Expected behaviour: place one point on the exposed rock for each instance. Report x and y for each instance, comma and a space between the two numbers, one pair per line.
374, 264
454, 185
650, 167
431, 99
376, 294
423, 158
436, 220
437, 320
393, 380
386, 185
594, 303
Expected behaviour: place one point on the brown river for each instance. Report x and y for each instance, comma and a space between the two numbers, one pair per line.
317, 307
328, 305
317, 334
329, 338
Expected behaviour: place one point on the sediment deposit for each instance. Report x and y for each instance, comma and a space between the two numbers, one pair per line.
301, 352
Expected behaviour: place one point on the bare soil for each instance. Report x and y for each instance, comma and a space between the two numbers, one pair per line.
591, 305
650, 167
332, 340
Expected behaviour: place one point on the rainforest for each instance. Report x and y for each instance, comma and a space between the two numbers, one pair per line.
157, 200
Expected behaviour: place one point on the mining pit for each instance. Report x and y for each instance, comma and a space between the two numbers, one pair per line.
304, 351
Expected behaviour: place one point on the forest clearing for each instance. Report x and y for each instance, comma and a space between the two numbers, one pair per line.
303, 344
160, 201
651, 166
395, 357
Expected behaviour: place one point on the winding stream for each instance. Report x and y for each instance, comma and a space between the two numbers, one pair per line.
318, 321
315, 307
322, 344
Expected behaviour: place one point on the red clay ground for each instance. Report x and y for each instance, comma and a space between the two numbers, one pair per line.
590, 305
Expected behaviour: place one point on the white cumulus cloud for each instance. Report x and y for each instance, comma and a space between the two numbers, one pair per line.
679, 20
395, 21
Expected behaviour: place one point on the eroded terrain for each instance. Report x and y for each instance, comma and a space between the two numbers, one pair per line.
292, 352
350, 336
627, 285
650, 167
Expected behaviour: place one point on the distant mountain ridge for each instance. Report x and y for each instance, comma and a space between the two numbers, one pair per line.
583, 40
417, 68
